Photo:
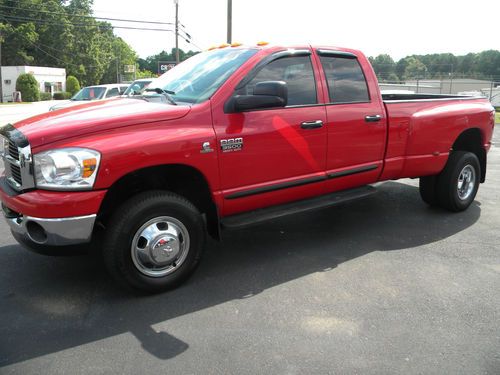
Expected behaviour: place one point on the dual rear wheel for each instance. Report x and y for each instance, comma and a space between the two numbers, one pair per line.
456, 186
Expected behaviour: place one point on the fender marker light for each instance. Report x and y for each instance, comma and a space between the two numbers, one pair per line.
89, 167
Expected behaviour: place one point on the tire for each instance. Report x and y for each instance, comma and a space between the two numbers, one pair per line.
427, 188
457, 184
154, 241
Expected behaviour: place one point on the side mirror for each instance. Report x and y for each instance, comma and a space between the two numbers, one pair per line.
268, 94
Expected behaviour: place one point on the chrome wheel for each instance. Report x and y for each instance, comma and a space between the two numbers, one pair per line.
160, 246
466, 182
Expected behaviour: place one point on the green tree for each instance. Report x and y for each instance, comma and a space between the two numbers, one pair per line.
384, 66
28, 85
488, 63
121, 55
72, 85
151, 62
400, 68
392, 77
414, 68
466, 64
145, 74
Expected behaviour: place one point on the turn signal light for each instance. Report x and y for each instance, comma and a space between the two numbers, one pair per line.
89, 166
260, 44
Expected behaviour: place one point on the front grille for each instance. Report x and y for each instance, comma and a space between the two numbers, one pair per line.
16, 174
17, 159
13, 151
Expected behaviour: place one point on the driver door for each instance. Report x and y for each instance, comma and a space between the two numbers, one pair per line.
277, 155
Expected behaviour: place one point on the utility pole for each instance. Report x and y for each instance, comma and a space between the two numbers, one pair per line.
451, 77
176, 2
491, 88
229, 21
1, 79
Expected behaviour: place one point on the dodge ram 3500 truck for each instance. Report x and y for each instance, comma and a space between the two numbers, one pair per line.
228, 138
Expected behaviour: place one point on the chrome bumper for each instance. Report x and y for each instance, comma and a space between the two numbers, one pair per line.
54, 232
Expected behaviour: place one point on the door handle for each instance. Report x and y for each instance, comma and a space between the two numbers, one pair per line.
311, 124
373, 118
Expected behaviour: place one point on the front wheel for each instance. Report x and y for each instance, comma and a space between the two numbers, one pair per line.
154, 241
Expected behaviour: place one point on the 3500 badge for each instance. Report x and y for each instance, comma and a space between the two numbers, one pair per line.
232, 144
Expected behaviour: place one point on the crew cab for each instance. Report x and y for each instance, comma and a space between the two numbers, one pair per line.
231, 137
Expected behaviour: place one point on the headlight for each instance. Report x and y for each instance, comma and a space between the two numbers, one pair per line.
66, 169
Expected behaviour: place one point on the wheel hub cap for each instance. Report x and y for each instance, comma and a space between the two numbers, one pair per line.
160, 246
165, 249
466, 182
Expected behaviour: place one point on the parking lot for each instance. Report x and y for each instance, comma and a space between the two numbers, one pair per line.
384, 285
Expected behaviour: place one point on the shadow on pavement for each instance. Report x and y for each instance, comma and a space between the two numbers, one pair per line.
53, 304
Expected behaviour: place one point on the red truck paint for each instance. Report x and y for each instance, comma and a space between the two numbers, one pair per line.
412, 139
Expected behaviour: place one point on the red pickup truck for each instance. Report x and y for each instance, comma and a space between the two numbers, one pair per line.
230, 137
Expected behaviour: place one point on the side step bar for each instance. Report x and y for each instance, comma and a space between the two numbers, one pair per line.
274, 212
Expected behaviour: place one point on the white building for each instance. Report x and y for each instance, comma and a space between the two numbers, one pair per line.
50, 79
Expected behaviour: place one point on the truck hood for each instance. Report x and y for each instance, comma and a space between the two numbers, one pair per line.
67, 104
95, 117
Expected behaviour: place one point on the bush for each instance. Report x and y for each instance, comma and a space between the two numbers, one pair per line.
27, 84
45, 96
62, 95
72, 85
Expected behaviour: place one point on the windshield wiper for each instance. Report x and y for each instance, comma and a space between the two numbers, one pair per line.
167, 94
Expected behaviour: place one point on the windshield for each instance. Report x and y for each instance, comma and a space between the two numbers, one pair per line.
90, 93
197, 78
136, 88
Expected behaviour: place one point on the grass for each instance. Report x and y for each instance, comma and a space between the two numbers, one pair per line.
497, 117
11, 103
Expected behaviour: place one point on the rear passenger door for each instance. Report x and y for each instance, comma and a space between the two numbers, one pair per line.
356, 122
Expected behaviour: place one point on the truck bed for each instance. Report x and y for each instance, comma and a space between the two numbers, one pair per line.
423, 127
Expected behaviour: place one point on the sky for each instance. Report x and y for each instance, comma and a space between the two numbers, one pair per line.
398, 28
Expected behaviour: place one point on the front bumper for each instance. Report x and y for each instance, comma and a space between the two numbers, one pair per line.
52, 218
52, 232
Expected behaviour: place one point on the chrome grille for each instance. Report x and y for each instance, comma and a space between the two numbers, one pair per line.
15, 171
13, 151
17, 159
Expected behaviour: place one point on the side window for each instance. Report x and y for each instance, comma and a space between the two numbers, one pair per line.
297, 72
112, 92
346, 81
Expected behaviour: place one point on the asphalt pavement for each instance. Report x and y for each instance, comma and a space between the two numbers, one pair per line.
385, 285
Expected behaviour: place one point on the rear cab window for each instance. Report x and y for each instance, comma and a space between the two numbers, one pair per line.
345, 78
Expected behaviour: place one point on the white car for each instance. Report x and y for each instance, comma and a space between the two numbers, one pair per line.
98, 92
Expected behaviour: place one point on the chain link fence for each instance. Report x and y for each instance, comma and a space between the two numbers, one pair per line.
455, 86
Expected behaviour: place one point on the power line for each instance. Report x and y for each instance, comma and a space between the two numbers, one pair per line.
45, 52
188, 36
85, 25
87, 17
102, 25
